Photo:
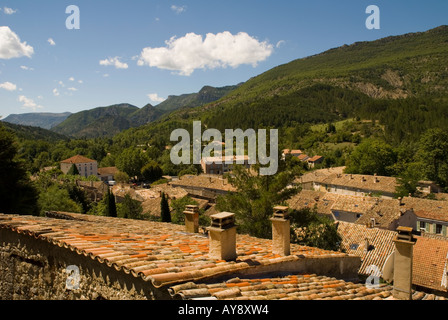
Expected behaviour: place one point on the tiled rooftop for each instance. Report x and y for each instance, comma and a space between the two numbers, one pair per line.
336, 177
354, 242
157, 252
204, 181
291, 287
428, 209
430, 264
78, 159
385, 211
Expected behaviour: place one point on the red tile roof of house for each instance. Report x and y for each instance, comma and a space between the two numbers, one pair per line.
430, 264
314, 159
161, 253
292, 287
78, 159
354, 238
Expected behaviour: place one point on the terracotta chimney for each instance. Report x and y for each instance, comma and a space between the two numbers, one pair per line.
192, 218
404, 248
222, 236
281, 231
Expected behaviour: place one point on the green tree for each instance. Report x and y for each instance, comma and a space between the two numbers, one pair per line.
433, 153
131, 161
372, 156
152, 172
178, 206
56, 198
165, 209
17, 193
408, 180
255, 198
311, 229
121, 177
73, 171
130, 208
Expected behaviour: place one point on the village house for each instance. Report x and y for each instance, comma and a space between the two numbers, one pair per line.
218, 164
376, 249
107, 174
95, 190
312, 162
76, 256
348, 184
348, 208
86, 167
203, 186
294, 153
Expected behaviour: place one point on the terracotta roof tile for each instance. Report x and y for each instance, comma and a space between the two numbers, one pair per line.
292, 287
78, 159
430, 263
355, 237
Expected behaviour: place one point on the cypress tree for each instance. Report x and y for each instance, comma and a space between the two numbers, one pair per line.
111, 208
165, 209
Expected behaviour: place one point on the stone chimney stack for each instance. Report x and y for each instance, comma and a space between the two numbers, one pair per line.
192, 219
404, 248
222, 236
281, 231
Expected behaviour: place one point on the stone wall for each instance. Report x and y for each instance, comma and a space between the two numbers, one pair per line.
33, 269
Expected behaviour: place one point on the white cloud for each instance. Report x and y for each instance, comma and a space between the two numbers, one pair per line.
114, 62
26, 68
11, 47
71, 79
61, 84
106, 75
8, 86
72, 89
29, 103
55, 92
192, 52
7, 10
178, 9
80, 81
51, 42
155, 97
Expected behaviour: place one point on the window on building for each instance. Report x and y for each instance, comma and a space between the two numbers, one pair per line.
438, 228
422, 225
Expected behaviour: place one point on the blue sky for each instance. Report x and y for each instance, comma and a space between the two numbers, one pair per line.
141, 52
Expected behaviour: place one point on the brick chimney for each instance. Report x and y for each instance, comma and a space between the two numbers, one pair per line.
222, 236
404, 248
281, 231
192, 218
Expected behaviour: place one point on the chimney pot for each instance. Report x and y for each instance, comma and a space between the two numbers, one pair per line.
192, 218
222, 236
281, 231
404, 247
